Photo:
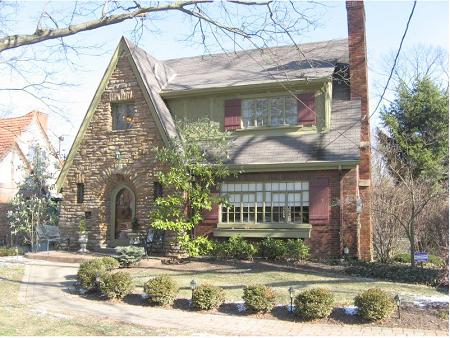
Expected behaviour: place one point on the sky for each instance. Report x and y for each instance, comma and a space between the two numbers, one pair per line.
385, 24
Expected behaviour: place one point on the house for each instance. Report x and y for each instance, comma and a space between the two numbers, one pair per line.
300, 118
18, 138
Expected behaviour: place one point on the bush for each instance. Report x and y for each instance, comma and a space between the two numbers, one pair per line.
207, 297
129, 255
314, 303
161, 290
374, 304
110, 263
406, 258
396, 272
235, 247
272, 248
116, 285
199, 246
296, 250
10, 251
259, 298
88, 272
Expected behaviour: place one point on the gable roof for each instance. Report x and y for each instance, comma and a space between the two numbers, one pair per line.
11, 128
304, 62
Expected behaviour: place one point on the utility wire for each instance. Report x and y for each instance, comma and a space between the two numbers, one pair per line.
387, 83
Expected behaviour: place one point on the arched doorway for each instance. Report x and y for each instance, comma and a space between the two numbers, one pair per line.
123, 210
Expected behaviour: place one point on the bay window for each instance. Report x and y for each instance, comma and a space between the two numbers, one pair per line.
266, 202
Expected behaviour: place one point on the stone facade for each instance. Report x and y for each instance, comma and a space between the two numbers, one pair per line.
107, 158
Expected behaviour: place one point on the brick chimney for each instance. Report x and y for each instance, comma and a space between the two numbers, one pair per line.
359, 90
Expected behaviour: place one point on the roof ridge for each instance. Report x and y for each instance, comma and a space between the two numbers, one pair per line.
254, 49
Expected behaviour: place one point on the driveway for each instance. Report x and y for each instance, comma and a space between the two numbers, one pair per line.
46, 288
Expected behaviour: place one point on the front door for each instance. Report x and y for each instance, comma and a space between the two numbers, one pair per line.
123, 214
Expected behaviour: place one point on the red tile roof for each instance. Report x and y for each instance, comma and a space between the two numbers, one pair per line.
11, 128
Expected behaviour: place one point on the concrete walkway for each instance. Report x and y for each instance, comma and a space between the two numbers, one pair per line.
45, 288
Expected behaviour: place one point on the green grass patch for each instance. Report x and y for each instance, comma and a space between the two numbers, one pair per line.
233, 278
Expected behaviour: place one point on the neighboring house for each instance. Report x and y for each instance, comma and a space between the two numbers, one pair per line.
299, 115
18, 136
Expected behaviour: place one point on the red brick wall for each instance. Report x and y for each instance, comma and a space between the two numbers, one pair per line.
359, 89
325, 240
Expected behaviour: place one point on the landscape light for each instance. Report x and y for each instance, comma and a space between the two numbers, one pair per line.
291, 295
193, 286
398, 302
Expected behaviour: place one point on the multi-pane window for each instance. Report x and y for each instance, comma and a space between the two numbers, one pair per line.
273, 111
269, 202
122, 115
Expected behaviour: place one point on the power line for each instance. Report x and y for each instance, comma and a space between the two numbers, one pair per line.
387, 83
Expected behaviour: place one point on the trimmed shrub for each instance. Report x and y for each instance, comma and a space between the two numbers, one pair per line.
396, 272
199, 246
110, 263
374, 304
271, 248
10, 251
116, 285
235, 247
207, 297
314, 303
88, 271
129, 255
296, 250
259, 298
161, 290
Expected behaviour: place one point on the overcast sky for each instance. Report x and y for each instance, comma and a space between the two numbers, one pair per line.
385, 23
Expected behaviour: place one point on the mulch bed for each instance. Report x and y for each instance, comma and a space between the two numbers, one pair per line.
412, 317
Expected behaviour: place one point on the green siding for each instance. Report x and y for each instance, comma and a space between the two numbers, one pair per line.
212, 105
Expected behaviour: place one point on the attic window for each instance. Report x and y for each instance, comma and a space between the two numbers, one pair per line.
122, 115
80, 193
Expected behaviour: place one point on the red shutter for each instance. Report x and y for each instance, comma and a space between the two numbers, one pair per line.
211, 216
306, 106
319, 201
232, 114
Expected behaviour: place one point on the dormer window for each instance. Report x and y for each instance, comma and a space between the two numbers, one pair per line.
122, 115
274, 111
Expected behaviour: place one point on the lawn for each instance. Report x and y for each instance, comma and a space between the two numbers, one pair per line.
233, 276
18, 319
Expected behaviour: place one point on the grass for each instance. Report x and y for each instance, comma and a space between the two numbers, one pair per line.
233, 277
442, 314
17, 319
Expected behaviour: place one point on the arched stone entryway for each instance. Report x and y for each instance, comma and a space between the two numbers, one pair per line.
122, 208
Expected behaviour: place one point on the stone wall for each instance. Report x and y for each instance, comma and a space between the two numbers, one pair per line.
96, 164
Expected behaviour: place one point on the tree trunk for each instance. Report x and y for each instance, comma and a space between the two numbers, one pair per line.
412, 240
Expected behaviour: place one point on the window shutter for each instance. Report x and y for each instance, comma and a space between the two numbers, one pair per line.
232, 110
319, 197
211, 216
306, 108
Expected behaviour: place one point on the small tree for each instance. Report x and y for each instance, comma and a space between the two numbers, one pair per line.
32, 205
195, 163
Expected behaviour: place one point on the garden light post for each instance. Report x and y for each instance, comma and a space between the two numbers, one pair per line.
291, 295
193, 286
398, 302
